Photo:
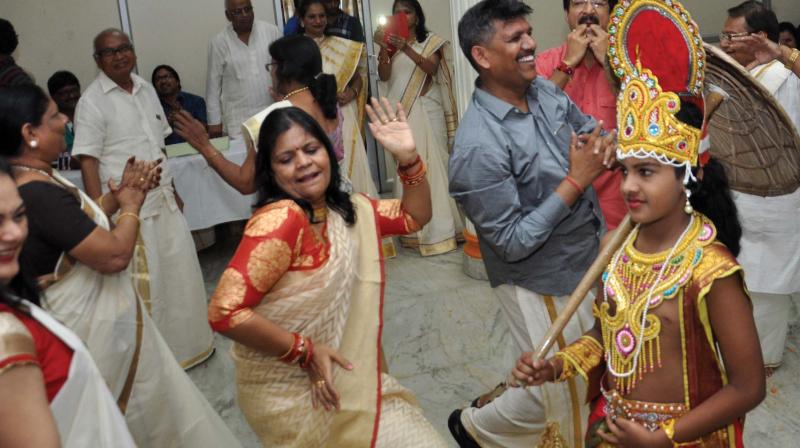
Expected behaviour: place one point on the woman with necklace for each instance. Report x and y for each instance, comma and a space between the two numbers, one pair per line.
417, 76
303, 295
674, 358
345, 59
95, 280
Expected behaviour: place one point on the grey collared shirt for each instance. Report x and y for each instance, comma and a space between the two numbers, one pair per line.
504, 170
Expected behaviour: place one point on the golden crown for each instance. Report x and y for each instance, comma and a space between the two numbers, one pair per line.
656, 31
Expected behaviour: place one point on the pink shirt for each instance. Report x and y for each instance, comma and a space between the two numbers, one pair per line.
590, 90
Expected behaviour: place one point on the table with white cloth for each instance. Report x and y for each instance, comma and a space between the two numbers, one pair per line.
208, 200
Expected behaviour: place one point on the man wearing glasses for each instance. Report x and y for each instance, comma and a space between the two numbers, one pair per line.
770, 241
118, 117
237, 84
577, 66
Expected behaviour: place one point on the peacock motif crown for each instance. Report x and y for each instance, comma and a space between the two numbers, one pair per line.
656, 50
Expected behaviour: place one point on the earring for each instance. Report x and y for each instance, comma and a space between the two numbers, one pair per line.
34, 143
688, 209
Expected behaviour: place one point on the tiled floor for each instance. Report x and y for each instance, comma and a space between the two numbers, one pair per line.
445, 339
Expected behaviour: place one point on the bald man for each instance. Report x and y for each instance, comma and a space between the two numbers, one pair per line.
119, 116
237, 83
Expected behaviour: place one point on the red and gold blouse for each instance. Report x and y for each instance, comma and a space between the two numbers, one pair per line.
279, 239
23, 340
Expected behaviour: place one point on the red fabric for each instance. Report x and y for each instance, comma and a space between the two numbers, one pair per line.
304, 250
53, 356
590, 91
661, 48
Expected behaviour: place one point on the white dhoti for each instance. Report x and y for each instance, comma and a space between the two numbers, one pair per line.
529, 417
178, 304
769, 256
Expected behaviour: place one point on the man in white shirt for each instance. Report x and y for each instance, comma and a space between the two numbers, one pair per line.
238, 82
770, 241
117, 117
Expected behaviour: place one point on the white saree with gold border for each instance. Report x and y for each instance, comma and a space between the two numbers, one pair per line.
340, 305
433, 121
162, 407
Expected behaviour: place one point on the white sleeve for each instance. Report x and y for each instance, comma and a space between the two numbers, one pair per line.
214, 83
90, 128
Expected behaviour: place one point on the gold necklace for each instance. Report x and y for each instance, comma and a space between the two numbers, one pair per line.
637, 283
320, 215
35, 170
295, 92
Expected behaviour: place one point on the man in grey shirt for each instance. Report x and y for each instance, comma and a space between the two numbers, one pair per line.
522, 167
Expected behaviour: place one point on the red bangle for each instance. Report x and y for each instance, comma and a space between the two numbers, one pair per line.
410, 165
575, 184
297, 350
565, 69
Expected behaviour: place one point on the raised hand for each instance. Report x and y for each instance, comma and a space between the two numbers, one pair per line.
577, 44
598, 43
391, 130
763, 49
193, 131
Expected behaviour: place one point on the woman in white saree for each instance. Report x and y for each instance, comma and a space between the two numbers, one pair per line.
94, 279
302, 297
417, 76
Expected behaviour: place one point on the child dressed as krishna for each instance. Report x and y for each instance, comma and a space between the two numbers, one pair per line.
674, 357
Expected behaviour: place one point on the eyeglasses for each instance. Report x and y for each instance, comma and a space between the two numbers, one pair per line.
164, 76
731, 36
107, 53
270, 65
582, 3
244, 10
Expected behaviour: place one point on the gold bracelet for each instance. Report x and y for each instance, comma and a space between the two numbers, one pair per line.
131, 214
792, 59
669, 430
100, 200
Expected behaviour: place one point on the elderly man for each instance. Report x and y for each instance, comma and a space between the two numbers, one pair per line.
342, 24
524, 178
770, 240
118, 117
65, 89
173, 98
577, 66
238, 83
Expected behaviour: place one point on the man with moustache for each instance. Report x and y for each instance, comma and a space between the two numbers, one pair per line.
578, 67
770, 240
524, 178
237, 83
173, 99
119, 117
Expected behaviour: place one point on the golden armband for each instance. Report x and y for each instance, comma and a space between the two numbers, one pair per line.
580, 358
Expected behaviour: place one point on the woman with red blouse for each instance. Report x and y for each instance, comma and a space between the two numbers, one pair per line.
51, 393
302, 297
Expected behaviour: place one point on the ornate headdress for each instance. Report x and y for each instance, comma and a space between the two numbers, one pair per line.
656, 50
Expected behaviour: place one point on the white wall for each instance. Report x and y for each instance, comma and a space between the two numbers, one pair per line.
787, 10
57, 35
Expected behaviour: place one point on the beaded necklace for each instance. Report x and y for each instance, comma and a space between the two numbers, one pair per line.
637, 283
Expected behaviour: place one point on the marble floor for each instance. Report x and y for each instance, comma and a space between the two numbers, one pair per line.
446, 340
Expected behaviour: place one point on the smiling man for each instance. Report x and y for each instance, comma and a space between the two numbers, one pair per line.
577, 66
117, 117
524, 178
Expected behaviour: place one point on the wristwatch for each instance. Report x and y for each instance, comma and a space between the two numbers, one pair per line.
566, 69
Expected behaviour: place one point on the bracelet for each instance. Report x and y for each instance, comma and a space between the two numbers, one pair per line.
100, 200
306, 362
792, 59
410, 165
294, 346
580, 357
669, 430
415, 179
131, 214
575, 184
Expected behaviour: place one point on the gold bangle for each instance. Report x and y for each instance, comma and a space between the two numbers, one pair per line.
669, 430
100, 200
792, 59
131, 214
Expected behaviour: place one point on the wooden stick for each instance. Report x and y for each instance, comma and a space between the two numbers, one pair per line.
584, 286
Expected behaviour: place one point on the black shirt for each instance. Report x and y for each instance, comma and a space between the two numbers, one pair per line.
56, 224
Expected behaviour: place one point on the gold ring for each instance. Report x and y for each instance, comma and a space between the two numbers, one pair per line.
394, 119
141, 179
319, 383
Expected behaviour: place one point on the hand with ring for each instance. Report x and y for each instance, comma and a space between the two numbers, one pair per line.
135, 183
320, 372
